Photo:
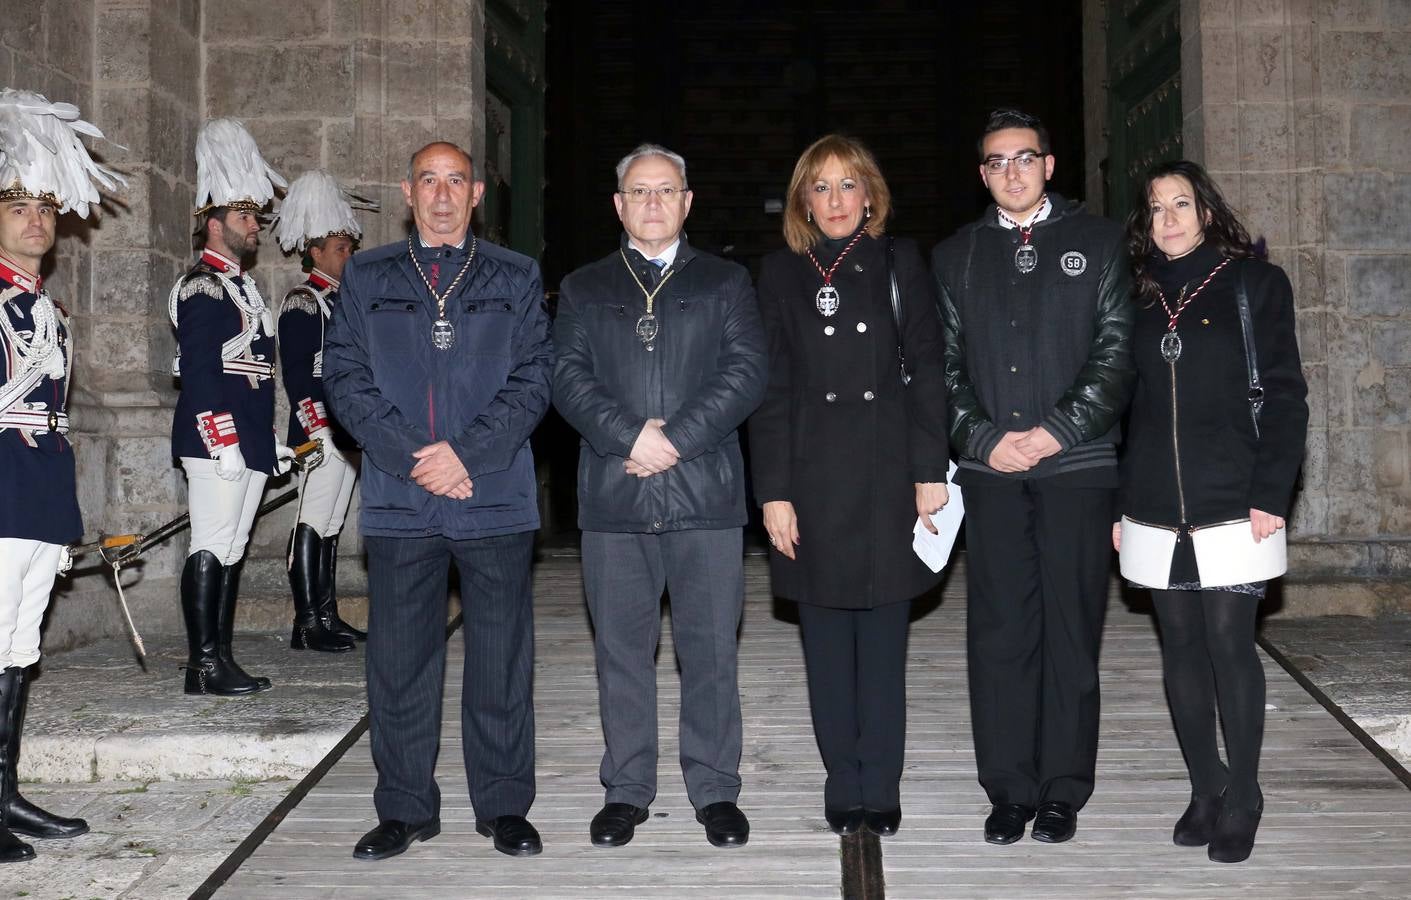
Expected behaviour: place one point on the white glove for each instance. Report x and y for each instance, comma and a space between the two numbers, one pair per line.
65, 559
230, 462
325, 435
283, 459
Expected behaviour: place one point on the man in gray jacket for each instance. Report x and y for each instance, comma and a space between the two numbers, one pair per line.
661, 357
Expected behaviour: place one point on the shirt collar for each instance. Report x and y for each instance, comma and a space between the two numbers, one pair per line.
322, 280
424, 244
667, 256
1006, 221
220, 262
14, 273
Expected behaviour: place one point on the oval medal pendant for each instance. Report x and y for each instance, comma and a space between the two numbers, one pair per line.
1026, 259
1171, 346
826, 300
443, 334
647, 329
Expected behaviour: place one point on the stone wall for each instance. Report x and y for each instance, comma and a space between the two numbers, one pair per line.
346, 85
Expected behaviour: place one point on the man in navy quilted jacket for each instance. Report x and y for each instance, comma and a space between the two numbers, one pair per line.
437, 362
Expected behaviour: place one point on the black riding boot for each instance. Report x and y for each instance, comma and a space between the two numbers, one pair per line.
309, 633
206, 671
327, 603
21, 816
12, 849
229, 592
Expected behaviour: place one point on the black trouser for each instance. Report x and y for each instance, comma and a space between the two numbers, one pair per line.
1208, 655
406, 662
856, 662
1038, 557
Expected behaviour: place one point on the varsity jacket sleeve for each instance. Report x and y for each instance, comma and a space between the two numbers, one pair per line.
771, 426
387, 436
300, 338
493, 438
579, 394
972, 433
1283, 422
726, 398
1093, 403
928, 452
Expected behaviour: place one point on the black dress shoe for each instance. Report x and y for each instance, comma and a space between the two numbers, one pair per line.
392, 837
615, 824
513, 835
1233, 838
843, 821
725, 825
1055, 822
1197, 823
882, 822
1006, 821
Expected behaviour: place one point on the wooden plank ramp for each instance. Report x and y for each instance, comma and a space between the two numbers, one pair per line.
1336, 821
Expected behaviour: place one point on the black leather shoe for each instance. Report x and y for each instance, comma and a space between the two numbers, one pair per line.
1055, 822
882, 822
725, 825
1233, 838
843, 821
1006, 821
24, 818
1197, 823
615, 824
392, 837
513, 835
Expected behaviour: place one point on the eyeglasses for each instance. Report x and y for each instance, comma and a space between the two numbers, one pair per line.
1023, 163
640, 194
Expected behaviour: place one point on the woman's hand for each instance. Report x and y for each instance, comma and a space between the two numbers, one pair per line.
1117, 536
783, 526
931, 498
1264, 524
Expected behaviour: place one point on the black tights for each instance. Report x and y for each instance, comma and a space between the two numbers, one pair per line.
1208, 659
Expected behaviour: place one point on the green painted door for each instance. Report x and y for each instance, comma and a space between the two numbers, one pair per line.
1144, 74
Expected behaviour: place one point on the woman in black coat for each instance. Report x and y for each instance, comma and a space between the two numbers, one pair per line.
845, 457
1200, 453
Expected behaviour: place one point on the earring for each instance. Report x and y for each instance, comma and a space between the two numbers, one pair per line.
810, 215
868, 210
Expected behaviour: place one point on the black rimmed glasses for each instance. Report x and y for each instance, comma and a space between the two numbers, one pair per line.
640, 194
1023, 162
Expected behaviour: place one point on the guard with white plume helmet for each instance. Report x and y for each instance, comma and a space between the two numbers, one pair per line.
316, 219
223, 431
45, 170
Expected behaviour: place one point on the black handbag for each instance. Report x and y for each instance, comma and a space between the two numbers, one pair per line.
1256, 389
896, 306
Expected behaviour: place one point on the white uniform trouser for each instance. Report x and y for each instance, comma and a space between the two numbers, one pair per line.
27, 571
326, 492
221, 511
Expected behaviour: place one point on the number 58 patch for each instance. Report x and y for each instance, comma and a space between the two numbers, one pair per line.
1073, 263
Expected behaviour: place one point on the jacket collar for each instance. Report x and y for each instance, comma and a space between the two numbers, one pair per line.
684, 253
1062, 208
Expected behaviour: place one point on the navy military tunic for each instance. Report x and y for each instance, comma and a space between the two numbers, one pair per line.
205, 319
302, 322
37, 475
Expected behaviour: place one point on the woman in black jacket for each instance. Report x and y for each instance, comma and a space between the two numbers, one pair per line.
1201, 452
845, 457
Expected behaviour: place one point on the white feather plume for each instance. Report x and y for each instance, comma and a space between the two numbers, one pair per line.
229, 167
316, 206
40, 149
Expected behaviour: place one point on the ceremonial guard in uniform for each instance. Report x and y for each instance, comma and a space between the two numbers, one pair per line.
223, 430
316, 218
44, 171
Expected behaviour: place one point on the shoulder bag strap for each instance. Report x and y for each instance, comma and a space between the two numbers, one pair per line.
896, 306
1256, 390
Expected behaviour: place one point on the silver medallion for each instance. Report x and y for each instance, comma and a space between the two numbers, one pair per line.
443, 334
1026, 259
1171, 346
647, 329
827, 300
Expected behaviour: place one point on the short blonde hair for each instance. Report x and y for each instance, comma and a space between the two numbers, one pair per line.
858, 162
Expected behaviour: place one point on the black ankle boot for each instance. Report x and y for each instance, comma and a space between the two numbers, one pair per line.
310, 633
1197, 823
327, 603
20, 816
207, 672
12, 849
1233, 838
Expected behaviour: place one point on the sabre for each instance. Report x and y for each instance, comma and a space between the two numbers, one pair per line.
120, 550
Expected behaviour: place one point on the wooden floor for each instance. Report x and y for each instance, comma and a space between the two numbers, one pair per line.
1336, 821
